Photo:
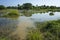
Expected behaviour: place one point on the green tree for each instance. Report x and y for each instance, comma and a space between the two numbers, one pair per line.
2, 7
11, 7
18, 6
27, 6
52, 7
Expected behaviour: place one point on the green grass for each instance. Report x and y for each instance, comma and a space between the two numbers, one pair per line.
10, 13
45, 31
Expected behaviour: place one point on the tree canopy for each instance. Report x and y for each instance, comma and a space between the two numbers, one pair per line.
2, 7
27, 6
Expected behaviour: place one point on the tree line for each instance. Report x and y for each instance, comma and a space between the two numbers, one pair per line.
28, 6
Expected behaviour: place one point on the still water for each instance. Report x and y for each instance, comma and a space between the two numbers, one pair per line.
37, 17
18, 26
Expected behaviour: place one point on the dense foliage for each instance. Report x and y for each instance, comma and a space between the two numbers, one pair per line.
2, 7
29, 6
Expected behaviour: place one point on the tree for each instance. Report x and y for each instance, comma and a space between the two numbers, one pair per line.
11, 7
18, 6
27, 6
2, 7
52, 7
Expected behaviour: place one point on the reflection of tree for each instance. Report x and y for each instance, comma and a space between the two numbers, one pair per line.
51, 14
27, 13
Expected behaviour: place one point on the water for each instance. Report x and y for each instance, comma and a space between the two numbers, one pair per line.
18, 26
12, 26
45, 16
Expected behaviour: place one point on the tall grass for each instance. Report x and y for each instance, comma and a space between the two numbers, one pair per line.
45, 31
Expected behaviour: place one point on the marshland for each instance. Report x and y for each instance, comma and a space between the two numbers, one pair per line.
29, 22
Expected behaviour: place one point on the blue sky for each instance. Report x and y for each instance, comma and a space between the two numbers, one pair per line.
34, 2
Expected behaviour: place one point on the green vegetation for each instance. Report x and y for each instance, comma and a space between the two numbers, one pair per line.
29, 6
10, 13
27, 9
45, 31
13, 13
2, 7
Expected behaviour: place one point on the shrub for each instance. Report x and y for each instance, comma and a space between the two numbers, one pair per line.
13, 12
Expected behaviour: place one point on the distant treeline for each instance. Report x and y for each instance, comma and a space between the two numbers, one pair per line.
28, 6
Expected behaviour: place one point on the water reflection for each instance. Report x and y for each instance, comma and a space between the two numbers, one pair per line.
7, 26
24, 23
11, 27
37, 17
51, 14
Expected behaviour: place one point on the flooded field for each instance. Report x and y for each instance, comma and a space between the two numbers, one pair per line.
18, 27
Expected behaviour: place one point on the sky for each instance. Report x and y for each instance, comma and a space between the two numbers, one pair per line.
34, 2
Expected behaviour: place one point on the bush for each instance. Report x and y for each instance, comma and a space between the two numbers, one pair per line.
11, 13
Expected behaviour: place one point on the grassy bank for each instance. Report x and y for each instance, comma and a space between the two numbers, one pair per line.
45, 31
